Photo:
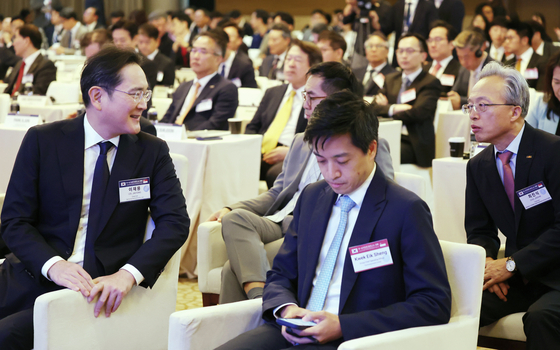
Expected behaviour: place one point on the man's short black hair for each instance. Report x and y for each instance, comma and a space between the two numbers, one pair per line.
32, 32
339, 114
522, 29
500, 21
216, 14
336, 41
262, 14
231, 24
68, 13
421, 40
285, 17
149, 30
103, 70
129, 26
336, 77
117, 14
234, 14
538, 28
451, 32
219, 37
181, 16
95, 10
286, 34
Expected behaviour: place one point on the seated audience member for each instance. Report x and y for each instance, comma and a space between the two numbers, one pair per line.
332, 46
259, 20
237, 66
148, 46
318, 16
53, 31
124, 35
201, 23
541, 42
74, 31
440, 47
526, 60
90, 19
96, 41
235, 17
469, 45
34, 67
182, 36
545, 113
373, 74
285, 19
480, 22
215, 18
519, 158
280, 113
279, 39
270, 213
158, 19
411, 96
115, 17
8, 59
208, 101
55, 234
497, 33
312, 275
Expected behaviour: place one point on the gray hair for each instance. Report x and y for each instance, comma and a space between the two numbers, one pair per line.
516, 88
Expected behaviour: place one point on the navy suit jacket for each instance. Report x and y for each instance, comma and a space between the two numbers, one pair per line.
43, 70
412, 292
268, 108
165, 65
223, 94
536, 61
372, 88
43, 203
533, 235
242, 68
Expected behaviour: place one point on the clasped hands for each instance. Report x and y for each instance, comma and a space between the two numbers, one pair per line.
111, 289
382, 100
496, 276
326, 330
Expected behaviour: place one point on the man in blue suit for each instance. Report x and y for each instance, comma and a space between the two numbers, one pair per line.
360, 256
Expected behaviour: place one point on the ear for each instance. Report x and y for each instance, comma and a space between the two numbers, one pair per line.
339, 54
95, 94
373, 149
516, 113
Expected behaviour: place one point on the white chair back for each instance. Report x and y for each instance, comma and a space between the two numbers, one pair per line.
4, 106
411, 182
254, 53
262, 82
160, 91
161, 105
181, 164
63, 93
248, 40
3, 87
249, 96
442, 107
184, 74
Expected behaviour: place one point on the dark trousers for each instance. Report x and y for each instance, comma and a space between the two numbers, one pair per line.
269, 337
541, 322
407, 151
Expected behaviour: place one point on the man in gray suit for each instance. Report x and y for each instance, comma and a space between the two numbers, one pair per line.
267, 217
73, 32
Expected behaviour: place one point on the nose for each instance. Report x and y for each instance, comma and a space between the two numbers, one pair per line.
333, 171
142, 104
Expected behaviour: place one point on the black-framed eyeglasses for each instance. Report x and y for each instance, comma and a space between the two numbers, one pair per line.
482, 107
305, 97
138, 95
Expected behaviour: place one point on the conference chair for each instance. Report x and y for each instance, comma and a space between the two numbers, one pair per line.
209, 327
61, 92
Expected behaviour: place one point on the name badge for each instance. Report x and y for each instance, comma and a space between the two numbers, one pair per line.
134, 189
28, 78
159, 76
408, 95
34, 100
24, 121
447, 80
379, 79
204, 105
533, 195
371, 255
531, 73
236, 82
171, 132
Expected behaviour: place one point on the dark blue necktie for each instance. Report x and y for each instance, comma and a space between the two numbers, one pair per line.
98, 188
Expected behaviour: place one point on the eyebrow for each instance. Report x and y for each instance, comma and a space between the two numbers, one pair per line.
335, 156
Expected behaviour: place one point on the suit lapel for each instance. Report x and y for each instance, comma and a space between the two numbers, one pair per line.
525, 156
208, 90
234, 67
393, 89
35, 65
372, 207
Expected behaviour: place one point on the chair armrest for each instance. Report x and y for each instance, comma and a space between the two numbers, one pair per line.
211, 251
459, 334
210, 327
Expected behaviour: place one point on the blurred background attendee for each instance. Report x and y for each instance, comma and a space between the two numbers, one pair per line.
237, 66
332, 46
279, 39
90, 19
545, 113
74, 31
182, 35
139, 17
189, 11
452, 12
440, 47
94, 41
53, 31
235, 17
116, 16
541, 42
148, 46
497, 33
318, 16
336, 21
485, 10
158, 19
215, 18
259, 20
372, 74
526, 60
201, 23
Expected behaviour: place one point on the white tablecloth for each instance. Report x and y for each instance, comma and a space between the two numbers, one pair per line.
51, 113
451, 124
391, 131
10, 139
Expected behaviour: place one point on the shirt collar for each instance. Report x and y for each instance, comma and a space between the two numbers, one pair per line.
153, 55
412, 76
357, 196
92, 138
540, 49
229, 61
443, 63
376, 69
479, 68
203, 81
75, 29
91, 26
299, 92
30, 59
513, 147
526, 56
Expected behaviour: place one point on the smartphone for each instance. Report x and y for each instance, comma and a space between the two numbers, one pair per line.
295, 323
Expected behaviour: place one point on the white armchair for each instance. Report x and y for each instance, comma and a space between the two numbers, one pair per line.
207, 328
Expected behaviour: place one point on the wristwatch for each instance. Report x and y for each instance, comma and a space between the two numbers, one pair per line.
510, 265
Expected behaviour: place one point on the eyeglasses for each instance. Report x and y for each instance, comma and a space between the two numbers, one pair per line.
376, 46
138, 95
202, 51
481, 107
435, 40
409, 51
305, 97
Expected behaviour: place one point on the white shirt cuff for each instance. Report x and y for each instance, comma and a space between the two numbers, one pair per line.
279, 307
48, 265
134, 272
390, 113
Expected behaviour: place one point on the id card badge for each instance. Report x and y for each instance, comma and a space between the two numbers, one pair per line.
531, 73
379, 79
134, 189
236, 82
28, 78
408, 95
533, 195
371, 255
204, 105
159, 76
447, 80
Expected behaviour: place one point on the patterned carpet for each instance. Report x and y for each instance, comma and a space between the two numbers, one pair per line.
188, 295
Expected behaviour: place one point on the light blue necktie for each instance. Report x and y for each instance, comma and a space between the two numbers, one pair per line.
319, 293
404, 87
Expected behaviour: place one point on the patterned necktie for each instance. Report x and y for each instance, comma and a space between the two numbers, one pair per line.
223, 70
181, 119
272, 72
319, 292
509, 182
404, 87
19, 78
518, 65
407, 18
272, 134
435, 69
98, 189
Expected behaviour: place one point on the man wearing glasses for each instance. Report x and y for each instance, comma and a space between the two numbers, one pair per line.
373, 74
208, 101
411, 96
440, 46
77, 203
513, 185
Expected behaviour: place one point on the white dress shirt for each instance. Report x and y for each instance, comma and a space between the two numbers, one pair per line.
289, 131
513, 147
152, 55
75, 41
29, 61
227, 63
91, 27
91, 152
376, 71
525, 58
540, 49
443, 63
497, 53
203, 82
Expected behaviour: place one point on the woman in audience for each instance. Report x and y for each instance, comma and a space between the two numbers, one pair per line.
545, 114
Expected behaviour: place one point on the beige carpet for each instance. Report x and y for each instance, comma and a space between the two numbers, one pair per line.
188, 295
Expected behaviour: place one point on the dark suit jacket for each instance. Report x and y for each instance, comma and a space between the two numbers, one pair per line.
412, 292
224, 98
461, 85
533, 234
453, 12
150, 69
452, 68
266, 65
268, 108
7, 59
43, 70
536, 61
242, 68
165, 64
166, 45
372, 88
48, 173
549, 50
419, 120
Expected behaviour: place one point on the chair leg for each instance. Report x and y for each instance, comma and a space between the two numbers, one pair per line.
210, 299
500, 344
